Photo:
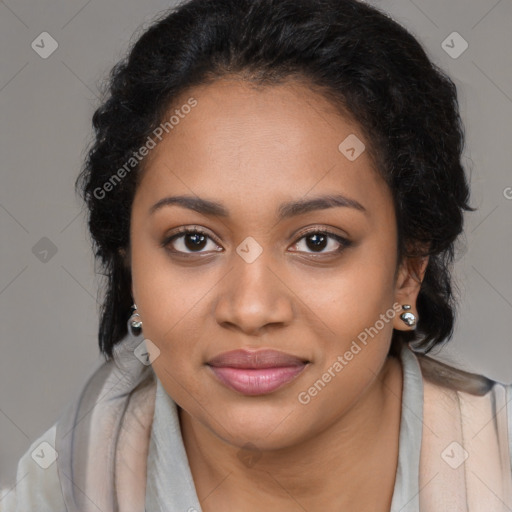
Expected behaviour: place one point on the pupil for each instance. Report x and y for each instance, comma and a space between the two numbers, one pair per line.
197, 239
318, 241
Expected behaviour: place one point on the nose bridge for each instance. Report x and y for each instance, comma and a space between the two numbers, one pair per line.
252, 296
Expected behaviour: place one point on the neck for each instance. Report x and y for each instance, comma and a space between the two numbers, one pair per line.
349, 464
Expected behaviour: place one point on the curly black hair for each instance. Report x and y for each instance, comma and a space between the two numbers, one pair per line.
370, 66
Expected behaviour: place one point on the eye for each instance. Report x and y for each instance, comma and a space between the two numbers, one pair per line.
318, 240
189, 240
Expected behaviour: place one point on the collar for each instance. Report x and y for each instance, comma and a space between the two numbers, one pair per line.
406, 491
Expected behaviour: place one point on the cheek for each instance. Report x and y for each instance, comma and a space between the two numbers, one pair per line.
358, 308
165, 292
170, 302
353, 297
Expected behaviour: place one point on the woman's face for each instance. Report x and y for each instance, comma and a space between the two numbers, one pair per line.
261, 274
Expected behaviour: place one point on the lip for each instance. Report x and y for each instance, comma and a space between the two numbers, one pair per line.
256, 372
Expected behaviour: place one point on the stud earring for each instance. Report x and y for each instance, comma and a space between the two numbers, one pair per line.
135, 321
407, 317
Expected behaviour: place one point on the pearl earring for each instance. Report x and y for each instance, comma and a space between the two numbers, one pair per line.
135, 321
408, 317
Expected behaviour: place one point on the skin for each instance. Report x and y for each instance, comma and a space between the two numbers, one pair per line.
252, 149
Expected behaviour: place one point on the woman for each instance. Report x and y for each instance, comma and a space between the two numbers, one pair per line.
274, 192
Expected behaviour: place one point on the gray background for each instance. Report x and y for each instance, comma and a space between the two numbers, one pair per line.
49, 312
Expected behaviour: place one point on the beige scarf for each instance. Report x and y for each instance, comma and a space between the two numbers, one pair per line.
465, 452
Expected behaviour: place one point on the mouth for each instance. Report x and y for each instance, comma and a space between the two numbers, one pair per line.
256, 372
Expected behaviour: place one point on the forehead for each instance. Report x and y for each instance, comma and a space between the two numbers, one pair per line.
252, 145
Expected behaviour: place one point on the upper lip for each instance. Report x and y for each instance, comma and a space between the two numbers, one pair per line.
264, 358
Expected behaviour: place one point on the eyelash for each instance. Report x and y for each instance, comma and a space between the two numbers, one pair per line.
344, 243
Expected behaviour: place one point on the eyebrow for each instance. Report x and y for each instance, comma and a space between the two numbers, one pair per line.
285, 210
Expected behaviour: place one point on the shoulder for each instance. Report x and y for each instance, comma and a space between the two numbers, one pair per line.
483, 406
37, 485
116, 402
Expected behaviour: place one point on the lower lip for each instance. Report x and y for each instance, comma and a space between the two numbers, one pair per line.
257, 381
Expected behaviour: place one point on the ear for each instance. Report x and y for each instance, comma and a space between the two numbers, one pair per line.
125, 256
126, 260
407, 287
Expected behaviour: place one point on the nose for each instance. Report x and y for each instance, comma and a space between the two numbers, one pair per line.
254, 298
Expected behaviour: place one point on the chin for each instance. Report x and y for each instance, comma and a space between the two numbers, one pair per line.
268, 427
